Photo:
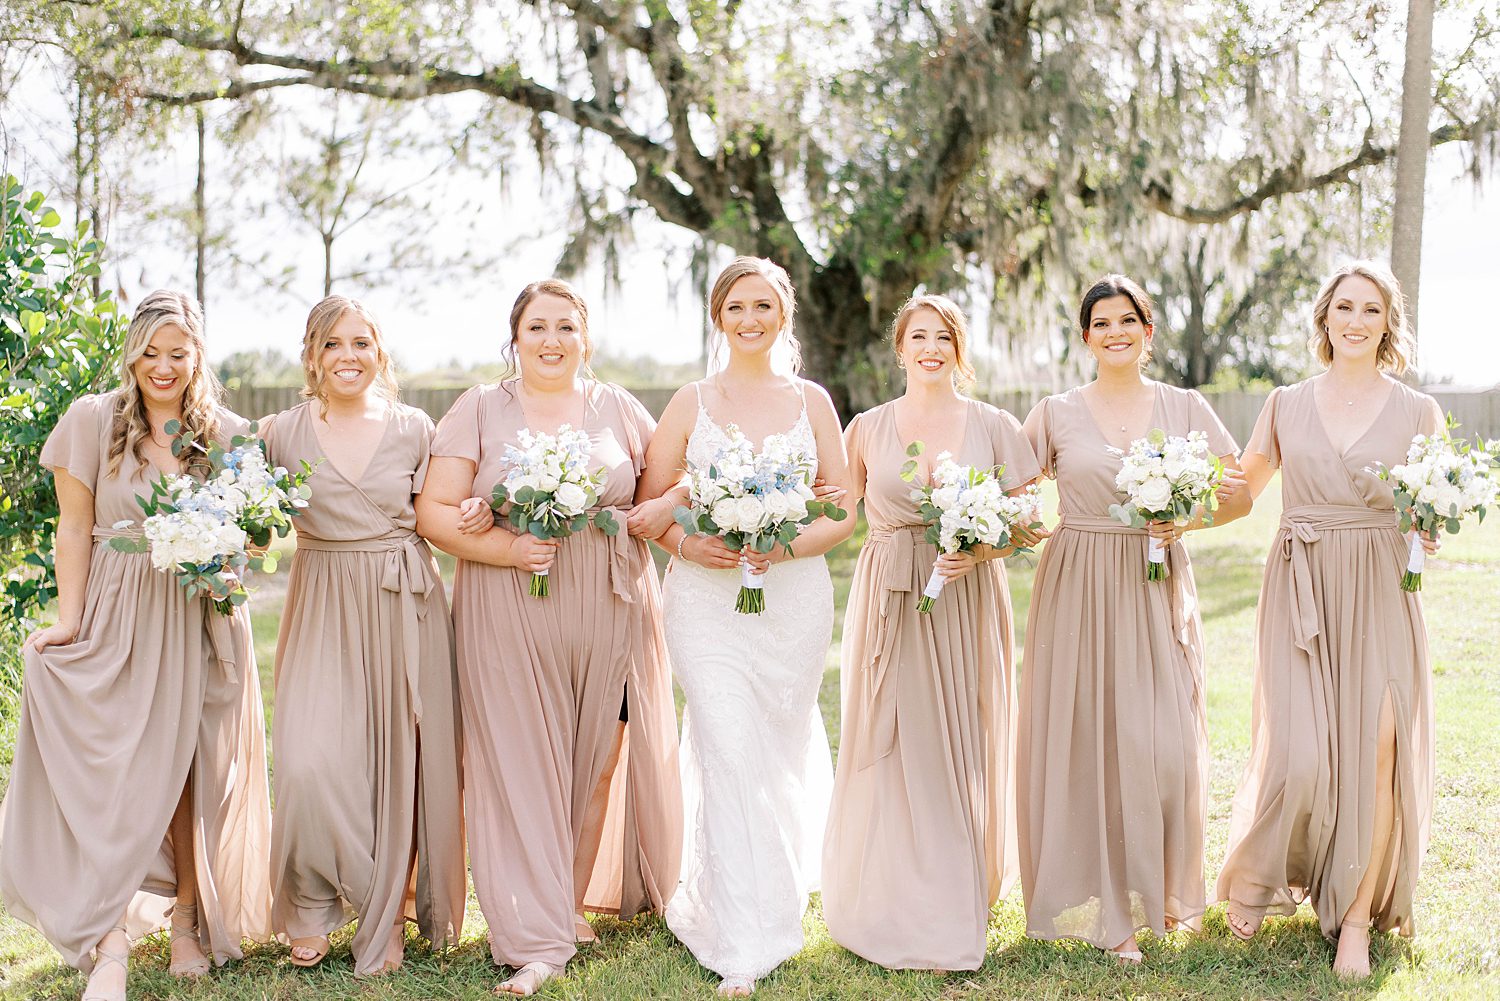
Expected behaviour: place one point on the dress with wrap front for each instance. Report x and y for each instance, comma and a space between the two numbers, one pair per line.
1334, 635
921, 836
543, 681
157, 691
1112, 754
366, 731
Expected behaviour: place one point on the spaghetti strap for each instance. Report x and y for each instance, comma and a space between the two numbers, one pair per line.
698, 392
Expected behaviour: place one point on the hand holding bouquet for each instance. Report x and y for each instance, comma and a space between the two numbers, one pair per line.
204, 530
1443, 480
753, 500
549, 490
1167, 478
965, 507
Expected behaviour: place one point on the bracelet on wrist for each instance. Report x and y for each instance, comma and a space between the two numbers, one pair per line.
680, 541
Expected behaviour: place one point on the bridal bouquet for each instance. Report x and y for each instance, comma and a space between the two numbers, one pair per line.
549, 489
1165, 478
1443, 480
965, 507
203, 530
756, 500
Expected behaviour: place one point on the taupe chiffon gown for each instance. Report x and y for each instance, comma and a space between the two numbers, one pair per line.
1334, 634
156, 692
366, 731
1112, 753
921, 836
544, 682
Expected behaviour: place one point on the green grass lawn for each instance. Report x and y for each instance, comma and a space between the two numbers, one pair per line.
1456, 953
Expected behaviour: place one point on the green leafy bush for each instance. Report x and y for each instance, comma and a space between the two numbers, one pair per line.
58, 341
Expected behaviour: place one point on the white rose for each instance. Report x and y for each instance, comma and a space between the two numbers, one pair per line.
778, 505
572, 498
726, 514
546, 482
752, 513
1155, 494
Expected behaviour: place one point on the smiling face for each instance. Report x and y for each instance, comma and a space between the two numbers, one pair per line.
1116, 335
165, 367
1356, 321
751, 316
928, 349
551, 339
349, 358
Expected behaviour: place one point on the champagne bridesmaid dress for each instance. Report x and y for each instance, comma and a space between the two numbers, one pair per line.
1112, 756
545, 683
156, 692
921, 838
1335, 635
366, 731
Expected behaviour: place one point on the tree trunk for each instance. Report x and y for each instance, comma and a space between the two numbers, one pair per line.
200, 219
841, 332
327, 265
1411, 154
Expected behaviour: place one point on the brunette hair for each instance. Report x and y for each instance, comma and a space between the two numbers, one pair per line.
1396, 349
1108, 287
320, 323
547, 286
953, 318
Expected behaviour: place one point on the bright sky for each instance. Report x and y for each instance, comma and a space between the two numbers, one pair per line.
655, 312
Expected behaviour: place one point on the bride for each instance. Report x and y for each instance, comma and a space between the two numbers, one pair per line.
755, 764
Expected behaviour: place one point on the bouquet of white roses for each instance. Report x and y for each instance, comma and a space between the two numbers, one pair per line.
203, 530
965, 507
1443, 480
549, 490
1166, 478
756, 500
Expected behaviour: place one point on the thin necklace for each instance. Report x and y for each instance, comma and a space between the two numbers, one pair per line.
1113, 413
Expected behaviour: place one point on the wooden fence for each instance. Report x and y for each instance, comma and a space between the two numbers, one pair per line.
1478, 412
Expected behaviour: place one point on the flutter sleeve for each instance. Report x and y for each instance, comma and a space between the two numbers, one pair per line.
1204, 419
1263, 440
76, 444
1013, 448
1039, 433
458, 432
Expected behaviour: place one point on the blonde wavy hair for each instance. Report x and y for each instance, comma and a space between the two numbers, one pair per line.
781, 285
1396, 351
202, 397
953, 318
320, 323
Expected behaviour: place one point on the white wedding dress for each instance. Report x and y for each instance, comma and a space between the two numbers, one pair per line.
756, 771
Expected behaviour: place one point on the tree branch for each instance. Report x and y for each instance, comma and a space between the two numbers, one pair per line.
1290, 179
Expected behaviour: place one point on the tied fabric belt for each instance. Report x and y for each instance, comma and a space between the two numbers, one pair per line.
1179, 600
623, 549
220, 638
900, 544
1303, 527
407, 573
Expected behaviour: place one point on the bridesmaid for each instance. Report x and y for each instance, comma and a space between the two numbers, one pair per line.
1112, 753
755, 760
368, 813
1336, 799
921, 841
138, 789
570, 735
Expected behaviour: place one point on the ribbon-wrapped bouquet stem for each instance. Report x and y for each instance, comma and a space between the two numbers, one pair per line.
206, 531
965, 507
1167, 478
756, 500
1443, 481
548, 490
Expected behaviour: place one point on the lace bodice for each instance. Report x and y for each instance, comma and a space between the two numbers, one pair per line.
708, 438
